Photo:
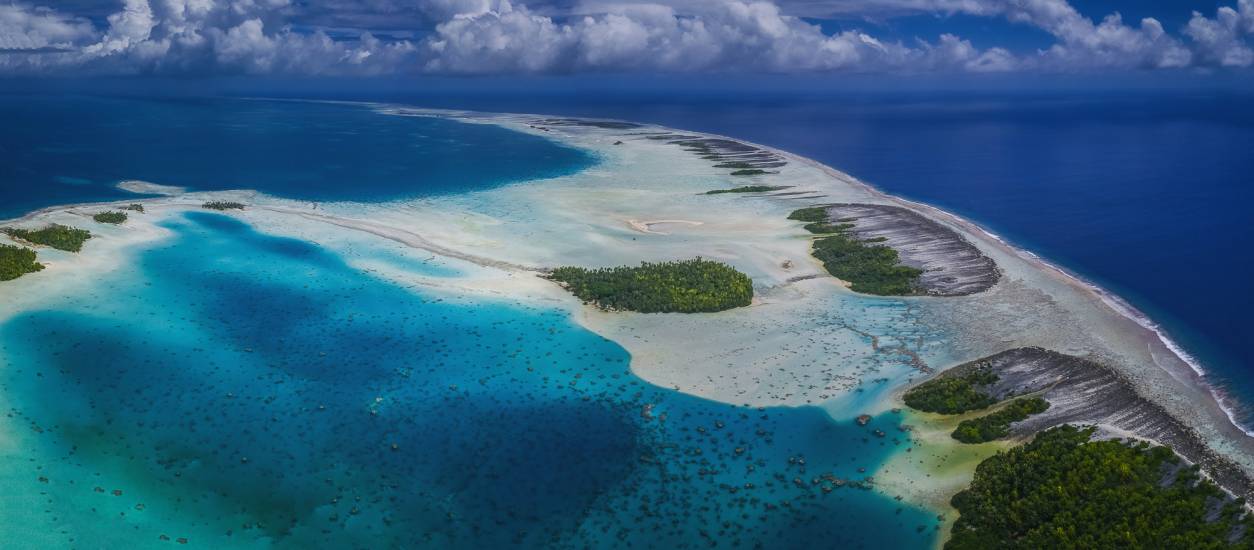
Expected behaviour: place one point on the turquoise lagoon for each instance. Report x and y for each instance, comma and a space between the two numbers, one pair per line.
238, 389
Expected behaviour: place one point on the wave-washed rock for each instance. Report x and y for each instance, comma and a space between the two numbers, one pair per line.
951, 265
1081, 391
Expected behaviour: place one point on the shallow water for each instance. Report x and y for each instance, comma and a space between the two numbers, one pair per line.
72, 149
242, 389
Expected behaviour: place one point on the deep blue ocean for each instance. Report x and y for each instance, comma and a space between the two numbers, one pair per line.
1148, 194
58, 150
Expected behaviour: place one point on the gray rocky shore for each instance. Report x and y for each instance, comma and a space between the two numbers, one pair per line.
1086, 392
951, 265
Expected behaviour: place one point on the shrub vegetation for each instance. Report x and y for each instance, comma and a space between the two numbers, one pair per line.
16, 261
749, 172
952, 394
1064, 491
135, 207
224, 205
688, 286
868, 268
57, 236
110, 217
997, 425
748, 189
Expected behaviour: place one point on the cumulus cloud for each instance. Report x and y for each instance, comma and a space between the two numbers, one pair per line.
30, 29
191, 36
1222, 41
344, 37
728, 35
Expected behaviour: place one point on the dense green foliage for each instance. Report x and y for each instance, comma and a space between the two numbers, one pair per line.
135, 207
997, 425
868, 268
749, 172
110, 217
739, 165
952, 394
1064, 491
223, 205
57, 236
16, 261
748, 189
688, 286
812, 214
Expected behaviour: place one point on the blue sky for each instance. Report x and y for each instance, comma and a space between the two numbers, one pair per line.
441, 38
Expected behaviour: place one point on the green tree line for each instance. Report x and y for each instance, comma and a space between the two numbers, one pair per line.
57, 236
1064, 491
687, 286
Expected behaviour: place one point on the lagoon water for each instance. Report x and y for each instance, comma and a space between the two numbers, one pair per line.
239, 389
59, 150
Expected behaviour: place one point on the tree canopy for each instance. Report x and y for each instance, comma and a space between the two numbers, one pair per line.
688, 286
1063, 490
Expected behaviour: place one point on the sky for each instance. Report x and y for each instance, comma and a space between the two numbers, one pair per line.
498, 38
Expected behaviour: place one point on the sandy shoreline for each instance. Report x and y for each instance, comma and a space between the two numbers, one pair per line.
807, 340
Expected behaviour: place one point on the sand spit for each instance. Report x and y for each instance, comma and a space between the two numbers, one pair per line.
405, 237
647, 226
951, 265
149, 188
1081, 391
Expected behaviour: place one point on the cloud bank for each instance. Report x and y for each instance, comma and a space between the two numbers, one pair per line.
378, 37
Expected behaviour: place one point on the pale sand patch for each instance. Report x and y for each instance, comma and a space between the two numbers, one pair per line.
149, 188
647, 226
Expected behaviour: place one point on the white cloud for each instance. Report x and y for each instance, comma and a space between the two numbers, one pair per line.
495, 36
24, 27
728, 35
1222, 41
191, 36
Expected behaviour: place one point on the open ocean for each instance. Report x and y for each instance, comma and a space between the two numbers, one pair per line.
1147, 194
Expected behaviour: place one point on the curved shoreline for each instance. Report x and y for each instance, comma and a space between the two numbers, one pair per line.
1112, 301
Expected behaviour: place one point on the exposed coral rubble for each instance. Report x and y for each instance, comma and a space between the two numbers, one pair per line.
1081, 391
951, 265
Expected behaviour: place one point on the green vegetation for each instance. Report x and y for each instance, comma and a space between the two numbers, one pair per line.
688, 286
134, 207
110, 217
223, 205
868, 268
1064, 491
16, 261
749, 172
748, 189
997, 425
738, 165
57, 236
952, 394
